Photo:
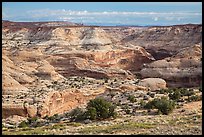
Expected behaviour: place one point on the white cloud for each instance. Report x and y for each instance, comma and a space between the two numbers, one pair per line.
46, 12
156, 18
169, 18
122, 17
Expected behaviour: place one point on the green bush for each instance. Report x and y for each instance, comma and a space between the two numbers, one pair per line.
132, 98
77, 114
186, 92
91, 113
142, 104
163, 105
96, 109
32, 120
194, 98
161, 91
200, 88
23, 124
46, 117
175, 95
102, 108
51, 118
150, 104
152, 95
112, 112
126, 109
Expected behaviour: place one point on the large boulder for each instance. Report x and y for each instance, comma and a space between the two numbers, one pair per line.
153, 83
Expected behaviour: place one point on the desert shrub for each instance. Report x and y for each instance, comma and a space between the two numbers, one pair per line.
151, 94
91, 113
118, 104
200, 88
163, 91
186, 92
142, 104
112, 112
112, 94
23, 124
46, 117
194, 98
163, 105
126, 109
32, 120
106, 80
150, 104
138, 76
175, 95
104, 109
77, 114
96, 109
51, 118
132, 98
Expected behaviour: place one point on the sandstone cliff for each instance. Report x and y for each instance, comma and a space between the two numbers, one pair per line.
182, 70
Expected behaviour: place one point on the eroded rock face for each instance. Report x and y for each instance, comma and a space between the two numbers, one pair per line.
182, 70
23, 69
101, 64
50, 103
59, 102
165, 41
10, 110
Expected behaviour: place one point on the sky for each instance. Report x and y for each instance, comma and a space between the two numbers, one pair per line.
105, 13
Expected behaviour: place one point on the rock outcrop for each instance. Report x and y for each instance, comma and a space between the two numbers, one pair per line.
182, 70
165, 41
101, 64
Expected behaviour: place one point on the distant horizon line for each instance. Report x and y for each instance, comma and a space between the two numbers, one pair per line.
106, 24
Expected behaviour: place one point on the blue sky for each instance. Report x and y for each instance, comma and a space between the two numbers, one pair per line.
106, 13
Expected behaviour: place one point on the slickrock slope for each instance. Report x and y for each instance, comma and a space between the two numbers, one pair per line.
182, 70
